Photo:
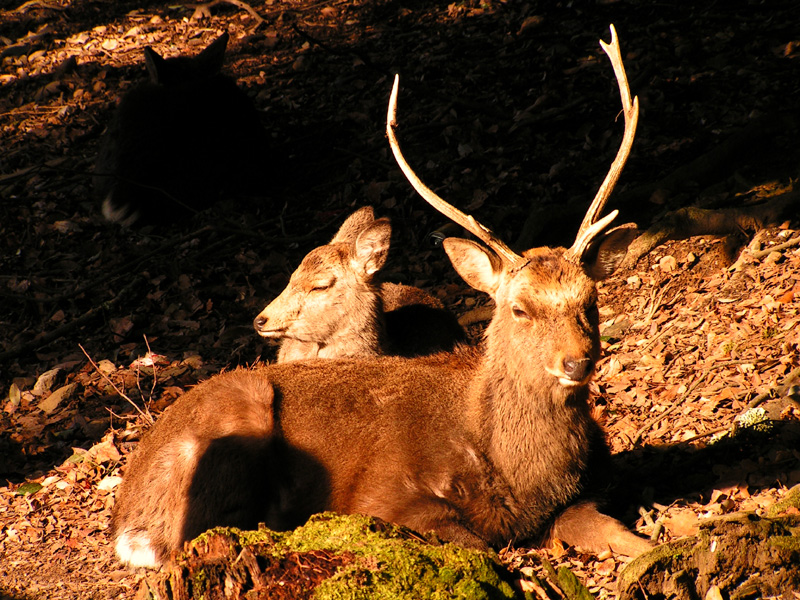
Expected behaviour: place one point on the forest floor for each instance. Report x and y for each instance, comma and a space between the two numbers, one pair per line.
508, 111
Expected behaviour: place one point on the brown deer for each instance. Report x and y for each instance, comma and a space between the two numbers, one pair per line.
485, 446
334, 308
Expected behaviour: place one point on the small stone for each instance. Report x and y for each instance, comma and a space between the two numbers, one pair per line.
45, 382
668, 263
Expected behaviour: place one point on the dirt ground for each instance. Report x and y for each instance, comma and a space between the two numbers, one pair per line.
507, 109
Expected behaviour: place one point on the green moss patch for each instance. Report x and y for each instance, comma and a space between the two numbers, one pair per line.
331, 557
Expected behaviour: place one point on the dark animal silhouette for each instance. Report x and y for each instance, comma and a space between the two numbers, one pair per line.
180, 141
334, 308
485, 446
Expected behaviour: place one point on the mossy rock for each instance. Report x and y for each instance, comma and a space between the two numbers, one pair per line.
332, 557
743, 554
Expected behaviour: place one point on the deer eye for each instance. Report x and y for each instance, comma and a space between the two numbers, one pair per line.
519, 313
321, 286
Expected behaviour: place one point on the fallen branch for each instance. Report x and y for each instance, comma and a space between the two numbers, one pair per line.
204, 10
689, 222
759, 254
780, 390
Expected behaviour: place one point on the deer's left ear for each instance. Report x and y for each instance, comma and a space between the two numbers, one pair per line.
606, 252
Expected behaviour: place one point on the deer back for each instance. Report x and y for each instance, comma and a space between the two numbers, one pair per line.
179, 141
334, 307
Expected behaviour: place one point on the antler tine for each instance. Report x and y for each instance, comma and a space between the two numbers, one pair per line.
589, 229
466, 221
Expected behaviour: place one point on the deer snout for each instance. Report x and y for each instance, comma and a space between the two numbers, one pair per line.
262, 327
571, 371
578, 369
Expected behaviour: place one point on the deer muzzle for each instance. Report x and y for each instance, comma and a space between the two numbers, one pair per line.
261, 325
572, 372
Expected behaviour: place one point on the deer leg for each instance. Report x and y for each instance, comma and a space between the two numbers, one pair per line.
583, 525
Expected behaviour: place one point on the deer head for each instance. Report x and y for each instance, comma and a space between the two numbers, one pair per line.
549, 290
178, 141
334, 307
332, 300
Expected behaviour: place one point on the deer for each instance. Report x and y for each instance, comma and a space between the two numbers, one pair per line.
179, 141
484, 446
333, 306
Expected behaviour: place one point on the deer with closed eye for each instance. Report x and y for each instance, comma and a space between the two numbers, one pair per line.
333, 306
485, 446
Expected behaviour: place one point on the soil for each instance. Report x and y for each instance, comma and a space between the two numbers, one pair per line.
507, 110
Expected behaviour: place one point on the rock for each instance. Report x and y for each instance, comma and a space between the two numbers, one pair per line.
46, 382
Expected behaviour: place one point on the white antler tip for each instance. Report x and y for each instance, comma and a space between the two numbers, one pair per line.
391, 115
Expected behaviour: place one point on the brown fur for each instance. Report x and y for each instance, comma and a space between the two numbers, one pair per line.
485, 447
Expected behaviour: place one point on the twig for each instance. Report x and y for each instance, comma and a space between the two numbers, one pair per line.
781, 389
37, 3
705, 434
147, 416
759, 254
155, 372
671, 409
666, 329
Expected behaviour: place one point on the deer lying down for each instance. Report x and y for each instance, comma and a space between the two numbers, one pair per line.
483, 446
179, 141
333, 308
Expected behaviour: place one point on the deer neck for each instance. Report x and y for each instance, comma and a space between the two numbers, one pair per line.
364, 333
535, 431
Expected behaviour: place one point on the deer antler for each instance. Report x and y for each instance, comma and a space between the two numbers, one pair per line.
468, 222
589, 228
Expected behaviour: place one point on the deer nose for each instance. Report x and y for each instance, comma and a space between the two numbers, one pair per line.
259, 322
578, 369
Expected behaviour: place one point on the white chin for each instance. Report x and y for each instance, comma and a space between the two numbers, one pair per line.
569, 382
271, 335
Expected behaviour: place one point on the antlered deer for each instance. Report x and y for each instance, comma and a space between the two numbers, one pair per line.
484, 446
334, 308
178, 141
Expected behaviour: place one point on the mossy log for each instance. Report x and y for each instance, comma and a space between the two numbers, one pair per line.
744, 555
332, 557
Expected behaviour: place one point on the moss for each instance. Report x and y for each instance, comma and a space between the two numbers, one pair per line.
200, 582
661, 557
790, 500
389, 562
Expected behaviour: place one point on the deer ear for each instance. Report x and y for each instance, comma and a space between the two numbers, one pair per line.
210, 60
371, 248
154, 64
606, 253
479, 267
353, 225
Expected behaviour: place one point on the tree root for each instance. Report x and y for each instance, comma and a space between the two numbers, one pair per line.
688, 222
